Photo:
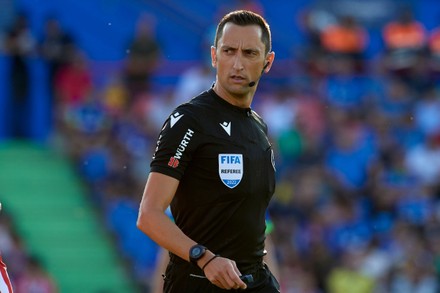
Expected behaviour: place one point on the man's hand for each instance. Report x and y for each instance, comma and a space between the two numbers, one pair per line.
222, 272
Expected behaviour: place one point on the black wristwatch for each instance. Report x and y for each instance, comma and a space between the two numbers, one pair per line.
196, 252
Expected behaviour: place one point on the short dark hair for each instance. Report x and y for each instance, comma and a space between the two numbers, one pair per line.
244, 18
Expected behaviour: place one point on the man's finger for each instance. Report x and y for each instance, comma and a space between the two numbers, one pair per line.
235, 278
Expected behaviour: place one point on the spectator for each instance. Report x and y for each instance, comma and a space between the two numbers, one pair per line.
55, 48
350, 156
347, 277
413, 270
280, 111
427, 111
424, 160
193, 81
343, 88
375, 263
115, 98
312, 56
345, 39
405, 41
143, 56
434, 50
19, 46
406, 133
73, 83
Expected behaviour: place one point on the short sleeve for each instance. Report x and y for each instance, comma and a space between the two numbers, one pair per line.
176, 144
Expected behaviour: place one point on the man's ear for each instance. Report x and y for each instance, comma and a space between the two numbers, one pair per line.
269, 61
214, 56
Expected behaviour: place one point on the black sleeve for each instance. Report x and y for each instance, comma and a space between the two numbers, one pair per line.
177, 143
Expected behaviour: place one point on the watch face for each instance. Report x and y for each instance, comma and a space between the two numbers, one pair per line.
196, 251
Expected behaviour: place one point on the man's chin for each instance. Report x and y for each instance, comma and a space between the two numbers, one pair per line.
239, 89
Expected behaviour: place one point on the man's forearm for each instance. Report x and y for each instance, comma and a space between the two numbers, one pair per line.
157, 225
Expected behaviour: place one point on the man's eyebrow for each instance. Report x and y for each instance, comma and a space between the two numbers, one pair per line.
244, 49
252, 49
228, 47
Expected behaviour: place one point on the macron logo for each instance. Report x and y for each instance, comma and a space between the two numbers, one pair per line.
174, 118
227, 127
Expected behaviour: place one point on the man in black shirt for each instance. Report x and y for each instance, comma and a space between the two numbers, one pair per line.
214, 165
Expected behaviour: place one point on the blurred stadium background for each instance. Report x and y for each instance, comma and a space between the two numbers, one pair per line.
352, 103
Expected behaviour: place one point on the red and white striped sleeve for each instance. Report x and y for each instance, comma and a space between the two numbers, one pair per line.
5, 282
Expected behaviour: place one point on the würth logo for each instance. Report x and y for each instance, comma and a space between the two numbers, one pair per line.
173, 162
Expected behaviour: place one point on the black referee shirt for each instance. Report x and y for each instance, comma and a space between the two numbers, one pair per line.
224, 161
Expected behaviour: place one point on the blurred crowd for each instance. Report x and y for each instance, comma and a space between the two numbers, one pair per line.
357, 204
357, 208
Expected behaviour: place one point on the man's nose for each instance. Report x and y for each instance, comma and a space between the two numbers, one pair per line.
238, 64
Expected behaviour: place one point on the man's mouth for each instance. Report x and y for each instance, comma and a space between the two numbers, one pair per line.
237, 78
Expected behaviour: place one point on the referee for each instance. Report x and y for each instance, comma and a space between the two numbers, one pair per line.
214, 166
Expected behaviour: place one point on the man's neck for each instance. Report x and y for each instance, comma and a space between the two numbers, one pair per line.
242, 101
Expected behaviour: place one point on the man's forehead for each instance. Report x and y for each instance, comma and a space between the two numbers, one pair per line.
234, 35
